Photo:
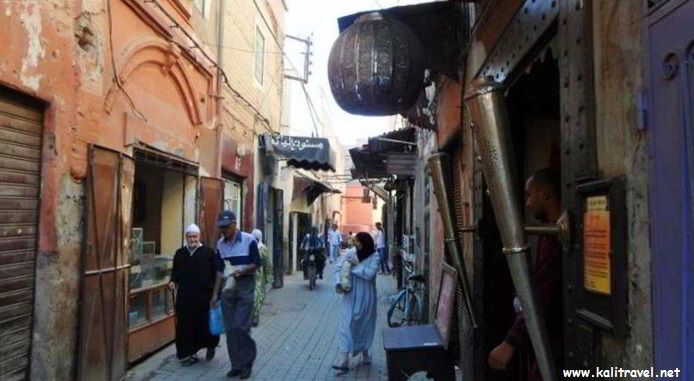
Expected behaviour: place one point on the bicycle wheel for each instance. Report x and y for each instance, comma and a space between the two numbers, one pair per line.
396, 312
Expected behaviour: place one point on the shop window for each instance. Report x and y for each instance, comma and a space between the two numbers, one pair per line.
163, 203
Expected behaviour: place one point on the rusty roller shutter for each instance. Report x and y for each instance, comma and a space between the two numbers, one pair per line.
20, 166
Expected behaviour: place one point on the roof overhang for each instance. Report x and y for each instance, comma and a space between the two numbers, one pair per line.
392, 153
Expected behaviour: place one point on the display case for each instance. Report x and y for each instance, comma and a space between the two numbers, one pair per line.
151, 300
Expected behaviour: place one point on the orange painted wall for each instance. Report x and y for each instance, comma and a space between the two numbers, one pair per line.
357, 216
67, 55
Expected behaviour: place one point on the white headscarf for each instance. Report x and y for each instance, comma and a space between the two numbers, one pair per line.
258, 237
192, 228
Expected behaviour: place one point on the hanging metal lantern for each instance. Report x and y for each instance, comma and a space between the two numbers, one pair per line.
376, 67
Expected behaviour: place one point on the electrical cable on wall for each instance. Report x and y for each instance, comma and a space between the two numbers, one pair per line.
197, 46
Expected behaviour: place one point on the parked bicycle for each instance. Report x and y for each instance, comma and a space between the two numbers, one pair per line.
406, 308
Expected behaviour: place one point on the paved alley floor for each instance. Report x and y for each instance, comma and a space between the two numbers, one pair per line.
296, 340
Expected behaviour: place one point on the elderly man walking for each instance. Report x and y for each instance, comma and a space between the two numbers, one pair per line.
239, 251
196, 273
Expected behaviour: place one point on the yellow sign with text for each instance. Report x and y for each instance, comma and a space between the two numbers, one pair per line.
596, 246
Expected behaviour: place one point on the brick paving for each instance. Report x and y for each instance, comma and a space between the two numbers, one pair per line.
296, 340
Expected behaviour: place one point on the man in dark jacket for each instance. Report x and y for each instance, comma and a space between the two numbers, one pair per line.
194, 273
544, 201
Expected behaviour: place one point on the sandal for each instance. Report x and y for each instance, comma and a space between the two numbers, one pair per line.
189, 361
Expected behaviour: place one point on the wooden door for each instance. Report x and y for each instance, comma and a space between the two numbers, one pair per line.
103, 303
212, 199
671, 136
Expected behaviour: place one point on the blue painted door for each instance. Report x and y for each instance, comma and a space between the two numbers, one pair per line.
671, 139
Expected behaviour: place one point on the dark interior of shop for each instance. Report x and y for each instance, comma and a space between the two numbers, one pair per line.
533, 107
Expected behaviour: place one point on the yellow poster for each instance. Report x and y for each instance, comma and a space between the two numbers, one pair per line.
596, 245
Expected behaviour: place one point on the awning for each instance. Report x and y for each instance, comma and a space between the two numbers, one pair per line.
308, 153
391, 153
304, 186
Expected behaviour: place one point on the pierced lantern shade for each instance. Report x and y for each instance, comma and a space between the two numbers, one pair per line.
376, 67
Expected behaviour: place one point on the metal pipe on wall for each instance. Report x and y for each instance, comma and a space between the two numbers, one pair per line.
436, 165
491, 128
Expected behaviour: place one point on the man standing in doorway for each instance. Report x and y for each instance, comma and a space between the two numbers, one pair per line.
380, 241
335, 240
196, 273
239, 251
544, 202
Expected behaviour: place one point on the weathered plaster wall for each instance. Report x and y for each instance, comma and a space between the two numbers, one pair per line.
622, 150
60, 52
40, 58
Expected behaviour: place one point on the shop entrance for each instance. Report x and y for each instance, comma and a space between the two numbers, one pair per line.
533, 106
164, 202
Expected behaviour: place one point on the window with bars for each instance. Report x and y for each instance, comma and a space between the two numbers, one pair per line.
232, 198
259, 55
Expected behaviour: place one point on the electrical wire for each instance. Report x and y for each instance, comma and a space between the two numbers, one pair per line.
197, 46
116, 78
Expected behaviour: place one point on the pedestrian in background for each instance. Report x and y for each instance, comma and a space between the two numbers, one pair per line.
380, 240
196, 274
263, 275
357, 315
239, 251
335, 240
313, 244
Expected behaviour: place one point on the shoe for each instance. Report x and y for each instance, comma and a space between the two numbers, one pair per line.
246, 373
341, 369
320, 276
234, 372
210, 353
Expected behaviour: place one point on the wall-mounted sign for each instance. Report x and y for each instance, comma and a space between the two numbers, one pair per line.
300, 152
596, 245
602, 237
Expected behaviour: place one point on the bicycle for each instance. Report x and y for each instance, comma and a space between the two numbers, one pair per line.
406, 308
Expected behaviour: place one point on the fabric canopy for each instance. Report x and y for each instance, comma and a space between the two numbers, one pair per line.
300, 152
303, 186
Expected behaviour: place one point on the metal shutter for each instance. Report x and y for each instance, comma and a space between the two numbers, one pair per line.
20, 177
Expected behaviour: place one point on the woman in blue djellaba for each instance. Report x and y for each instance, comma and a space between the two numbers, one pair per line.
357, 313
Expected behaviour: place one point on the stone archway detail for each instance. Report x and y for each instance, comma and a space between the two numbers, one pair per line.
168, 58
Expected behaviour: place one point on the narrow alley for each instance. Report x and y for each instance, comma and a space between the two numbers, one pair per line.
296, 340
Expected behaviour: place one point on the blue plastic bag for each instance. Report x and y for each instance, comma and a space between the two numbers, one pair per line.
216, 323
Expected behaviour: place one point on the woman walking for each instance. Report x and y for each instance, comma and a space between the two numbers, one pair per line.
263, 276
357, 321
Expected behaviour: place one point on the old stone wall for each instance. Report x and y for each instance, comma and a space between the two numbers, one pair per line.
622, 151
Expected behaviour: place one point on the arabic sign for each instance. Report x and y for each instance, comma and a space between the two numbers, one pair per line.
596, 246
301, 152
